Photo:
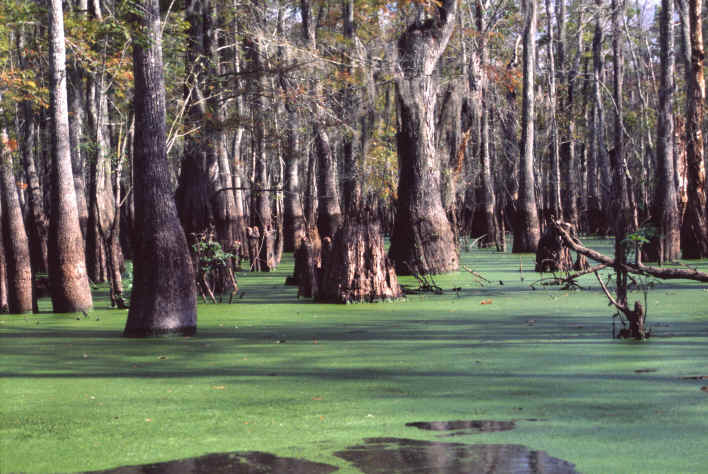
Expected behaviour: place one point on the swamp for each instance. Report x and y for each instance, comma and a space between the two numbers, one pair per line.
530, 381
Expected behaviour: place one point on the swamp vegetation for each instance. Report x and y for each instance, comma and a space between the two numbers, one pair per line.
277, 373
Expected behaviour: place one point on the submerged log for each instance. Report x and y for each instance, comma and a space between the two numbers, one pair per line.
356, 268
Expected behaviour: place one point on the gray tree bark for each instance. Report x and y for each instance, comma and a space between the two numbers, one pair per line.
526, 228
665, 246
423, 240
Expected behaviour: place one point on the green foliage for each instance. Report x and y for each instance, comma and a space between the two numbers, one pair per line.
211, 255
127, 279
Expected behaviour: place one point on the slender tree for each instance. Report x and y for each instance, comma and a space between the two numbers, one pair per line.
67, 265
16, 243
666, 244
526, 228
164, 291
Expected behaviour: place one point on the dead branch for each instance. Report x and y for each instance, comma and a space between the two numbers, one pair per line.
663, 273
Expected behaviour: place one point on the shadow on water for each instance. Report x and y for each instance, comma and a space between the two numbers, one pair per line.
240, 463
463, 427
389, 455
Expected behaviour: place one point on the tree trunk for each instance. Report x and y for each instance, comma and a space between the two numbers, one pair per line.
422, 241
665, 246
694, 230
358, 269
37, 221
570, 147
526, 228
554, 206
164, 291
67, 264
16, 244
598, 177
329, 215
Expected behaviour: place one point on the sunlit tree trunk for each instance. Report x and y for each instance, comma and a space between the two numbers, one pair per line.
16, 243
665, 246
422, 241
694, 230
526, 228
67, 265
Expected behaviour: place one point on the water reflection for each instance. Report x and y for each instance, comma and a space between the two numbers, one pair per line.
463, 427
239, 463
395, 455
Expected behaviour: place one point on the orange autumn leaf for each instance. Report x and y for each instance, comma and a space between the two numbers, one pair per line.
487, 301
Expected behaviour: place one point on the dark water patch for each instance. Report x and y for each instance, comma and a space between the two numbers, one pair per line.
396, 455
239, 463
461, 427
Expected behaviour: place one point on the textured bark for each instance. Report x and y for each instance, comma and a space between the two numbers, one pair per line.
552, 254
665, 246
294, 213
329, 215
261, 211
37, 222
526, 228
569, 147
164, 291
199, 161
101, 201
3, 272
694, 230
16, 243
623, 223
358, 270
554, 206
76, 131
67, 265
422, 241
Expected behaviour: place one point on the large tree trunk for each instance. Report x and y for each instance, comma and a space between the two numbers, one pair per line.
423, 241
16, 244
694, 231
199, 160
526, 228
67, 264
357, 268
164, 291
665, 246
329, 215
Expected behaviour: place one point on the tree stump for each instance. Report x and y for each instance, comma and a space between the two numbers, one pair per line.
356, 268
552, 254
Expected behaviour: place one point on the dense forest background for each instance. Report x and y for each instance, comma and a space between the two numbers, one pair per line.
319, 127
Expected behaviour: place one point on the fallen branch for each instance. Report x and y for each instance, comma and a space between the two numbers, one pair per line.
475, 274
663, 273
569, 278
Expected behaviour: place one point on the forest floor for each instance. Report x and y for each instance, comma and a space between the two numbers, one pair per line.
275, 374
